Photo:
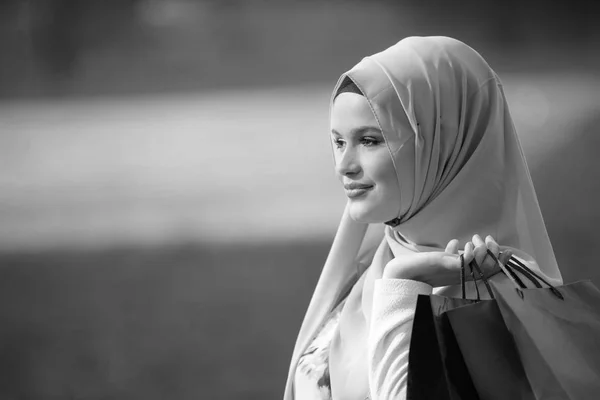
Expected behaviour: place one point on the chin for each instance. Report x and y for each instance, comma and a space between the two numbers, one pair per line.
365, 214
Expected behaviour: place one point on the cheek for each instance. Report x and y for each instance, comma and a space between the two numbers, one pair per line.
382, 172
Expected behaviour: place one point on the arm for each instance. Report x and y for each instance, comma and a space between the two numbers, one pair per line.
394, 302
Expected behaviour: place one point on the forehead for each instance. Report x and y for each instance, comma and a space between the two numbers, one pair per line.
350, 111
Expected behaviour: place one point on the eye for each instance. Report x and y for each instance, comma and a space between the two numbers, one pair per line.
339, 143
370, 141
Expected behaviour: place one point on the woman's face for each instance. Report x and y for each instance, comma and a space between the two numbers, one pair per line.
362, 161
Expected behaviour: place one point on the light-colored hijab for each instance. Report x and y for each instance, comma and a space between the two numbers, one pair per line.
440, 106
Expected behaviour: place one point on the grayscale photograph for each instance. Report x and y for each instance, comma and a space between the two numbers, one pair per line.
299, 200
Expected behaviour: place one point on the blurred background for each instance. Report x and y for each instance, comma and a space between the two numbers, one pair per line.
167, 196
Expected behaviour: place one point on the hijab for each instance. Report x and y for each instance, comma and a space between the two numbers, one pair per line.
461, 171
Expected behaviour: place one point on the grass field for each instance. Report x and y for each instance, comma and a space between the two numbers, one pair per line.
163, 249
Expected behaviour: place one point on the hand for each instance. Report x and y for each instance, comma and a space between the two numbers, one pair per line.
482, 257
442, 268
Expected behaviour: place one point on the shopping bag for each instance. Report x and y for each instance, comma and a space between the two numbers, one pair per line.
556, 331
489, 351
436, 369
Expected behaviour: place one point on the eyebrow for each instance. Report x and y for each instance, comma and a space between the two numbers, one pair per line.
359, 131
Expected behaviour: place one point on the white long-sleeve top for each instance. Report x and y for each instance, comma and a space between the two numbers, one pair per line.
393, 311
394, 302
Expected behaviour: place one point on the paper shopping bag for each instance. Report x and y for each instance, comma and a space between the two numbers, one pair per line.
489, 351
436, 369
556, 331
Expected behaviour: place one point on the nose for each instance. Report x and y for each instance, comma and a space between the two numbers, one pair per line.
347, 163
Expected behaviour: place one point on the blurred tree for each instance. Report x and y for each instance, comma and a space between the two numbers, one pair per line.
47, 41
56, 37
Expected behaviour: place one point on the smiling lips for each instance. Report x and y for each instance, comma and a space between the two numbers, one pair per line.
356, 189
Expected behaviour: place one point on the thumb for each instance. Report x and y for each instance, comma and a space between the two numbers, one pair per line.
452, 247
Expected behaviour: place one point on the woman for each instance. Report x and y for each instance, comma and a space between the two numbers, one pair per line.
427, 152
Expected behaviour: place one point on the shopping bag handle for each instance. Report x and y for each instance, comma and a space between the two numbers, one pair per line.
511, 274
483, 278
517, 265
513, 266
462, 278
473, 266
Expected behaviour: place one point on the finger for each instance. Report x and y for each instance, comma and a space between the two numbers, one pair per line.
452, 246
477, 241
480, 249
490, 267
505, 256
492, 245
488, 264
480, 254
469, 252
463, 263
